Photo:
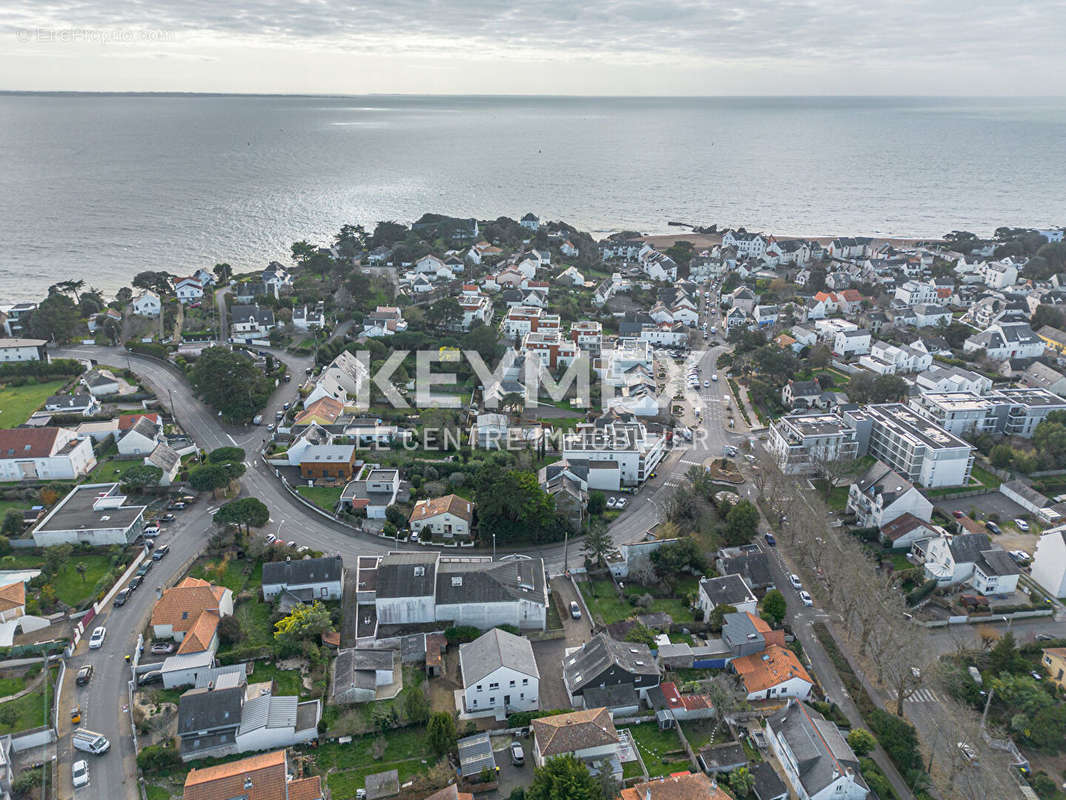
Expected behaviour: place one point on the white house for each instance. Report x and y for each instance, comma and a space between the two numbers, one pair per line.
30, 454
450, 517
815, 756
1049, 561
146, 304
727, 590
972, 559
14, 350
851, 342
342, 379
94, 514
881, 495
307, 579
588, 735
623, 445
530, 221
499, 674
773, 673
189, 290
140, 439
747, 245
1006, 340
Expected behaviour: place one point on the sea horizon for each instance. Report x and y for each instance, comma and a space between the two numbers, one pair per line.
107, 184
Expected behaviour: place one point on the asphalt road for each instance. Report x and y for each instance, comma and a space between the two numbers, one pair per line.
103, 702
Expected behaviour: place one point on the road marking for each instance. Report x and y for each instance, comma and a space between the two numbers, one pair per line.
231, 439
212, 510
693, 463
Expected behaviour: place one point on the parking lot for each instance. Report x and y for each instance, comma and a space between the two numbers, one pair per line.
990, 503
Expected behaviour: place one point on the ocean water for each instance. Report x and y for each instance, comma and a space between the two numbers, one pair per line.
103, 186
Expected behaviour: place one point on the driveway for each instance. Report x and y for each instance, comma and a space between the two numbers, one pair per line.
549, 655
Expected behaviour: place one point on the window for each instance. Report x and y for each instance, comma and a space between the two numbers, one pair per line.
525, 681
494, 686
324, 591
479, 687
511, 684
492, 701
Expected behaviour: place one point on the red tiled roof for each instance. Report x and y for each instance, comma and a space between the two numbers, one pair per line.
27, 442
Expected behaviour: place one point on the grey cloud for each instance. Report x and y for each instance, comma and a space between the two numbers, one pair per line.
835, 31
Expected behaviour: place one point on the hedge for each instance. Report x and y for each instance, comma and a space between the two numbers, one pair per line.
148, 349
41, 369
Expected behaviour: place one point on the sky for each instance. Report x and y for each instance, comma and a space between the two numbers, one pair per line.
579, 47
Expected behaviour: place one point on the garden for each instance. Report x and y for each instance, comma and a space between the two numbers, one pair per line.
660, 750
607, 607
17, 403
73, 576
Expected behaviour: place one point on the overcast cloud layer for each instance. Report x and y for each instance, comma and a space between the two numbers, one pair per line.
549, 46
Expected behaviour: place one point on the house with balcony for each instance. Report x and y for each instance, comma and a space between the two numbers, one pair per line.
882, 495
971, 559
627, 444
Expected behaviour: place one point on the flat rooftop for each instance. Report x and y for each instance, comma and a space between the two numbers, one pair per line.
88, 507
909, 425
1028, 397
958, 401
815, 424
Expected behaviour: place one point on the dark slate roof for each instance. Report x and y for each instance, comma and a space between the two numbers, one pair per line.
805, 388
738, 629
602, 653
882, 479
617, 695
966, 548
768, 785
818, 748
752, 567
723, 757
727, 589
997, 562
307, 570
398, 575
489, 582
207, 709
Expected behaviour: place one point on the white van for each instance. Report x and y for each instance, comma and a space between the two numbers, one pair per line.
89, 742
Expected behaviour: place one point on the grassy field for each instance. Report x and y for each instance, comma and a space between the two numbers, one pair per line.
29, 711
325, 497
18, 402
287, 680
231, 573
990, 481
661, 750
603, 602
111, 471
70, 587
348, 765
10, 686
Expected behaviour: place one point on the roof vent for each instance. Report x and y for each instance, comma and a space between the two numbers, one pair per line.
457, 580
248, 783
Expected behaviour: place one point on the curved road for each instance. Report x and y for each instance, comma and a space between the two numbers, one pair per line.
105, 710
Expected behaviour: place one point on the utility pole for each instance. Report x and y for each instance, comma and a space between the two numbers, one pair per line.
494, 547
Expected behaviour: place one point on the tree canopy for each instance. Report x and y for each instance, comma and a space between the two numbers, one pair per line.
230, 382
142, 476
512, 506
564, 778
247, 512
304, 622
56, 317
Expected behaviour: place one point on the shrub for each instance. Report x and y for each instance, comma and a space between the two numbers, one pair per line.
158, 758
458, 634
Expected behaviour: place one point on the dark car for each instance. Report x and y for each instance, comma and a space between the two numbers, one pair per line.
287, 377
993, 527
167, 518
770, 540
144, 569
122, 597
160, 552
178, 506
85, 674
135, 581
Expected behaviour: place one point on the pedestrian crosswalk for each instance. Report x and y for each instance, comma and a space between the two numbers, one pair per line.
920, 696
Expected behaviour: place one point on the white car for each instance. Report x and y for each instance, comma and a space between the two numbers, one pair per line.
714, 377
1020, 556
621, 502
79, 771
1021, 524
612, 502
797, 584
97, 637
805, 596
968, 752
271, 538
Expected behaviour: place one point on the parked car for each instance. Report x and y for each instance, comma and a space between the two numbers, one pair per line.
1036, 676
144, 569
135, 581
793, 579
1021, 524
161, 648
805, 596
518, 755
271, 538
1044, 637
621, 502
151, 530
957, 514
612, 502
770, 540
714, 377
1020, 556
155, 676
122, 597
97, 638
177, 506
993, 527
167, 518
161, 552
85, 674
79, 773
575, 610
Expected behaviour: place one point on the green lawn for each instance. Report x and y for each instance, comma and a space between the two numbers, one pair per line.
18, 402
255, 622
112, 471
10, 686
699, 732
155, 792
15, 505
631, 769
602, 600
287, 680
325, 497
987, 478
661, 750
232, 574
29, 711
405, 750
72, 588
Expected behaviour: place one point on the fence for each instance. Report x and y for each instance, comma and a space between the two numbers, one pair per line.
978, 619
33, 738
83, 623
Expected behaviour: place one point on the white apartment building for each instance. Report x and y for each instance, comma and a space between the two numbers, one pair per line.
915, 447
621, 440
588, 335
912, 293
800, 442
1012, 412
